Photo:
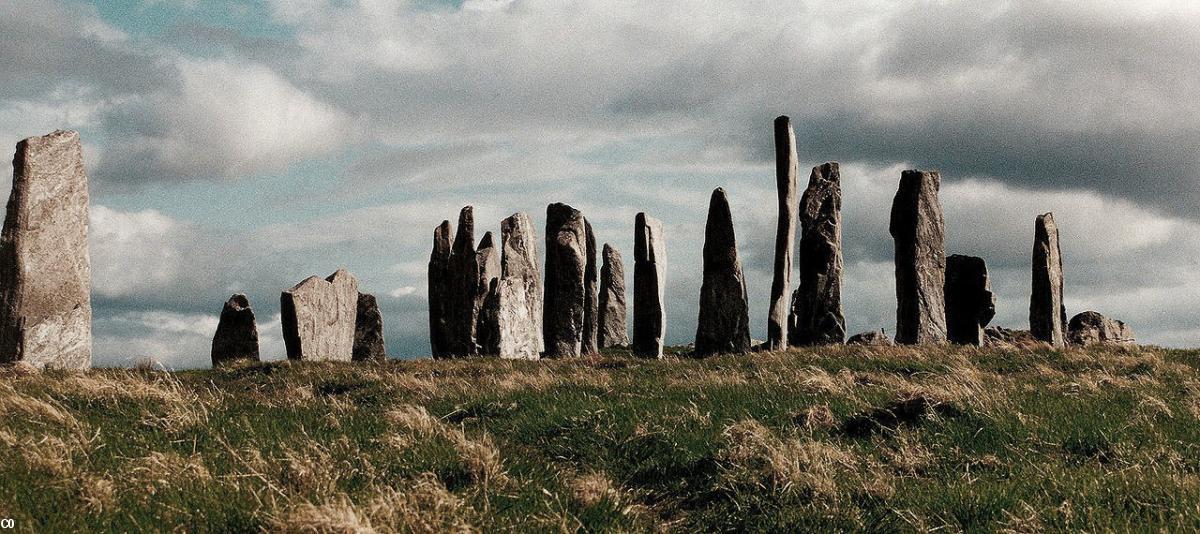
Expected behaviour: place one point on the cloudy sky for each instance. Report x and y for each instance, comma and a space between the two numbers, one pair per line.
243, 146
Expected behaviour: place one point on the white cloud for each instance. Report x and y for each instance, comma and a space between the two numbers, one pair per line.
135, 253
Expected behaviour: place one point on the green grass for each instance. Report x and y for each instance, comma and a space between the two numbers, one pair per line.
839, 438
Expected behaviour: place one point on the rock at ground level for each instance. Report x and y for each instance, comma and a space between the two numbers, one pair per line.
1092, 328
871, 338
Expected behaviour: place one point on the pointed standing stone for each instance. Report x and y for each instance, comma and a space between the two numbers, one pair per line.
649, 287
464, 286
565, 293
724, 323
817, 304
45, 274
612, 332
919, 230
440, 300
970, 304
368, 331
237, 333
318, 317
785, 233
1047, 315
519, 307
485, 308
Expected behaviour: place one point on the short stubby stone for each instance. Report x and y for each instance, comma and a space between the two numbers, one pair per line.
486, 306
464, 287
519, 304
318, 318
816, 317
1092, 328
45, 273
613, 332
649, 287
786, 163
1047, 314
723, 326
565, 291
870, 338
970, 304
440, 300
918, 229
591, 296
368, 331
237, 333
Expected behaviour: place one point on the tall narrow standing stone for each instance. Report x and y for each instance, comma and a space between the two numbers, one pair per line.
368, 331
919, 230
485, 308
724, 323
237, 333
45, 274
464, 286
591, 312
519, 309
612, 332
440, 300
318, 317
817, 304
785, 233
649, 287
1047, 315
970, 304
566, 266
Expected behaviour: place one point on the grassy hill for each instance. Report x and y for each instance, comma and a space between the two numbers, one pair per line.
837, 438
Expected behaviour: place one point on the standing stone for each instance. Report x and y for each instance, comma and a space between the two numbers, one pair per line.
464, 286
368, 331
785, 233
1047, 315
45, 274
591, 311
440, 300
970, 304
817, 304
318, 317
1092, 328
918, 230
612, 300
485, 308
565, 293
237, 333
724, 323
519, 306
649, 287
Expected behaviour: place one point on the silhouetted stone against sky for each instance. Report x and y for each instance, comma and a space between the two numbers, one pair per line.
318, 317
45, 271
368, 331
485, 307
970, 304
440, 300
649, 287
724, 322
613, 331
918, 230
464, 284
591, 297
566, 265
1047, 314
817, 304
778, 315
237, 334
519, 310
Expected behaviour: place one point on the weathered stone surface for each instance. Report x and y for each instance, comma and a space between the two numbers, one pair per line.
45, 274
237, 333
1092, 328
591, 290
970, 304
724, 322
613, 331
870, 338
368, 331
318, 317
440, 293
817, 303
919, 230
464, 286
566, 265
486, 306
1007, 338
649, 287
519, 306
1047, 315
785, 234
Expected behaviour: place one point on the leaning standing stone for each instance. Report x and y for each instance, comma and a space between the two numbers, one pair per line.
817, 304
318, 317
45, 274
970, 304
566, 265
785, 233
649, 287
519, 306
485, 308
724, 323
918, 230
464, 286
237, 333
1047, 315
612, 300
368, 331
440, 301
591, 312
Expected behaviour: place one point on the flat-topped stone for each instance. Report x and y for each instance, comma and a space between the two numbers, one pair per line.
919, 231
519, 306
565, 292
318, 317
970, 303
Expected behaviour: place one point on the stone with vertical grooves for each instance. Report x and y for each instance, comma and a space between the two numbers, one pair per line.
368, 331
918, 229
440, 301
566, 265
519, 305
318, 317
237, 333
1047, 314
463, 286
485, 308
591, 297
724, 322
970, 303
613, 332
817, 304
649, 287
785, 233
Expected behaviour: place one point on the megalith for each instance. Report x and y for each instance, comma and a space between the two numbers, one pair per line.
368, 331
591, 297
1092, 328
1047, 314
565, 293
613, 332
318, 317
786, 163
519, 306
970, 303
237, 333
918, 230
817, 304
45, 274
485, 307
649, 287
724, 323
464, 286
440, 293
